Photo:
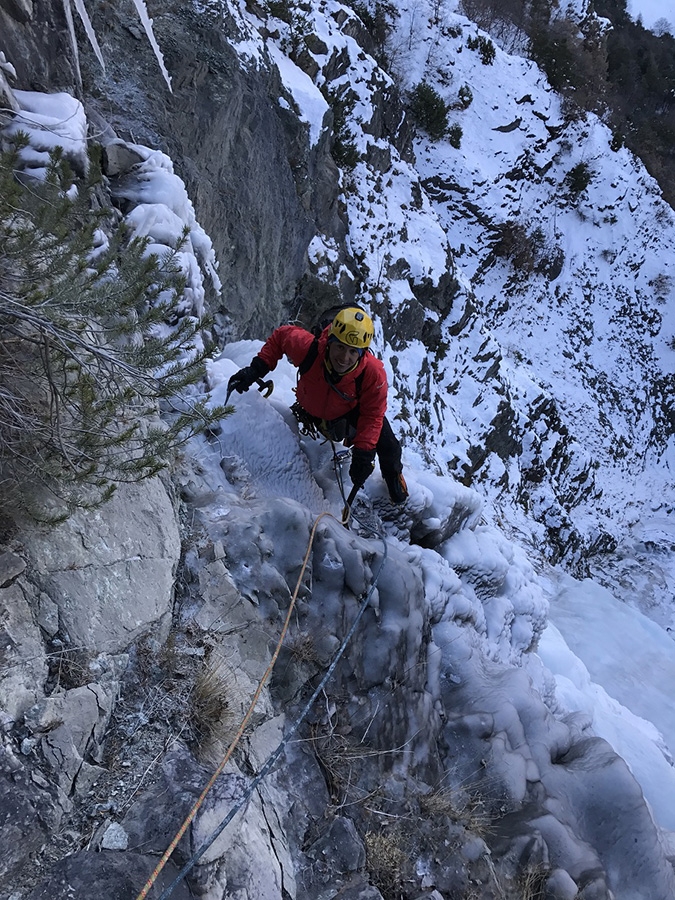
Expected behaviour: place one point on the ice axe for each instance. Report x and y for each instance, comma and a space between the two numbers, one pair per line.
264, 387
347, 511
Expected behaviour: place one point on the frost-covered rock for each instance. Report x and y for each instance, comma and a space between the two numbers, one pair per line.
50, 121
70, 727
110, 571
24, 661
430, 721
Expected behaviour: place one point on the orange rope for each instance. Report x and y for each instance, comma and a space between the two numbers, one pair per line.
195, 809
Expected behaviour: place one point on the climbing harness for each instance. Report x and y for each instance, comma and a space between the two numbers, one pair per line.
280, 748
308, 424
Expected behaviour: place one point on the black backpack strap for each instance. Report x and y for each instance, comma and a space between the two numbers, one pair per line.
310, 358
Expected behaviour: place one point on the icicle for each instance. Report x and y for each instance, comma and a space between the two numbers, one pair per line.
73, 40
86, 21
147, 24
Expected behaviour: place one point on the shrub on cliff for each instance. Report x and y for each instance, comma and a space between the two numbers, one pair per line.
90, 346
429, 110
578, 178
484, 47
343, 148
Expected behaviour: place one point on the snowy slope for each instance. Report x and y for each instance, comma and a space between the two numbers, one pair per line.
594, 340
587, 317
581, 350
548, 381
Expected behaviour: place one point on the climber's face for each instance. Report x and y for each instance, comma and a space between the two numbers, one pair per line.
342, 358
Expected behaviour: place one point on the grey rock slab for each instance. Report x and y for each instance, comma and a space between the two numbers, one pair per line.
23, 665
28, 814
113, 874
115, 837
72, 725
110, 570
340, 847
11, 566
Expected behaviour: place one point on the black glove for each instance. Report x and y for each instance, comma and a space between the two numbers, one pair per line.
363, 463
242, 380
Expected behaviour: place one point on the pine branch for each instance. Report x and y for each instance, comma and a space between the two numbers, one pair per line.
92, 341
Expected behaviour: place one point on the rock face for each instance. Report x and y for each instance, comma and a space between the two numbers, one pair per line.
35, 41
258, 188
110, 572
24, 663
72, 598
29, 816
121, 876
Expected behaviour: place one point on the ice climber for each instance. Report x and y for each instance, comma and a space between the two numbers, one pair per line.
341, 391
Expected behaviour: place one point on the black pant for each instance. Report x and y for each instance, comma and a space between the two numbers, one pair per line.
388, 448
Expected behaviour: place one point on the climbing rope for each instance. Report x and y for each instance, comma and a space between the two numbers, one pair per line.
272, 758
195, 809
277, 752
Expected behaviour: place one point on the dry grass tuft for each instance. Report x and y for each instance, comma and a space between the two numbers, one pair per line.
211, 708
385, 859
70, 668
532, 883
467, 808
303, 649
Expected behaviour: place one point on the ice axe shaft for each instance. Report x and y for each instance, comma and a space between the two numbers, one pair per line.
347, 511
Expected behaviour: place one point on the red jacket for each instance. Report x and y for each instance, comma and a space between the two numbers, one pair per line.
319, 397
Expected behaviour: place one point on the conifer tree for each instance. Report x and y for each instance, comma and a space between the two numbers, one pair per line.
429, 110
90, 347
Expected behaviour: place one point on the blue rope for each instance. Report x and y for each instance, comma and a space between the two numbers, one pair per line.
272, 758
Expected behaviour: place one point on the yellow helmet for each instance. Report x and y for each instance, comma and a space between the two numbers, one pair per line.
352, 327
